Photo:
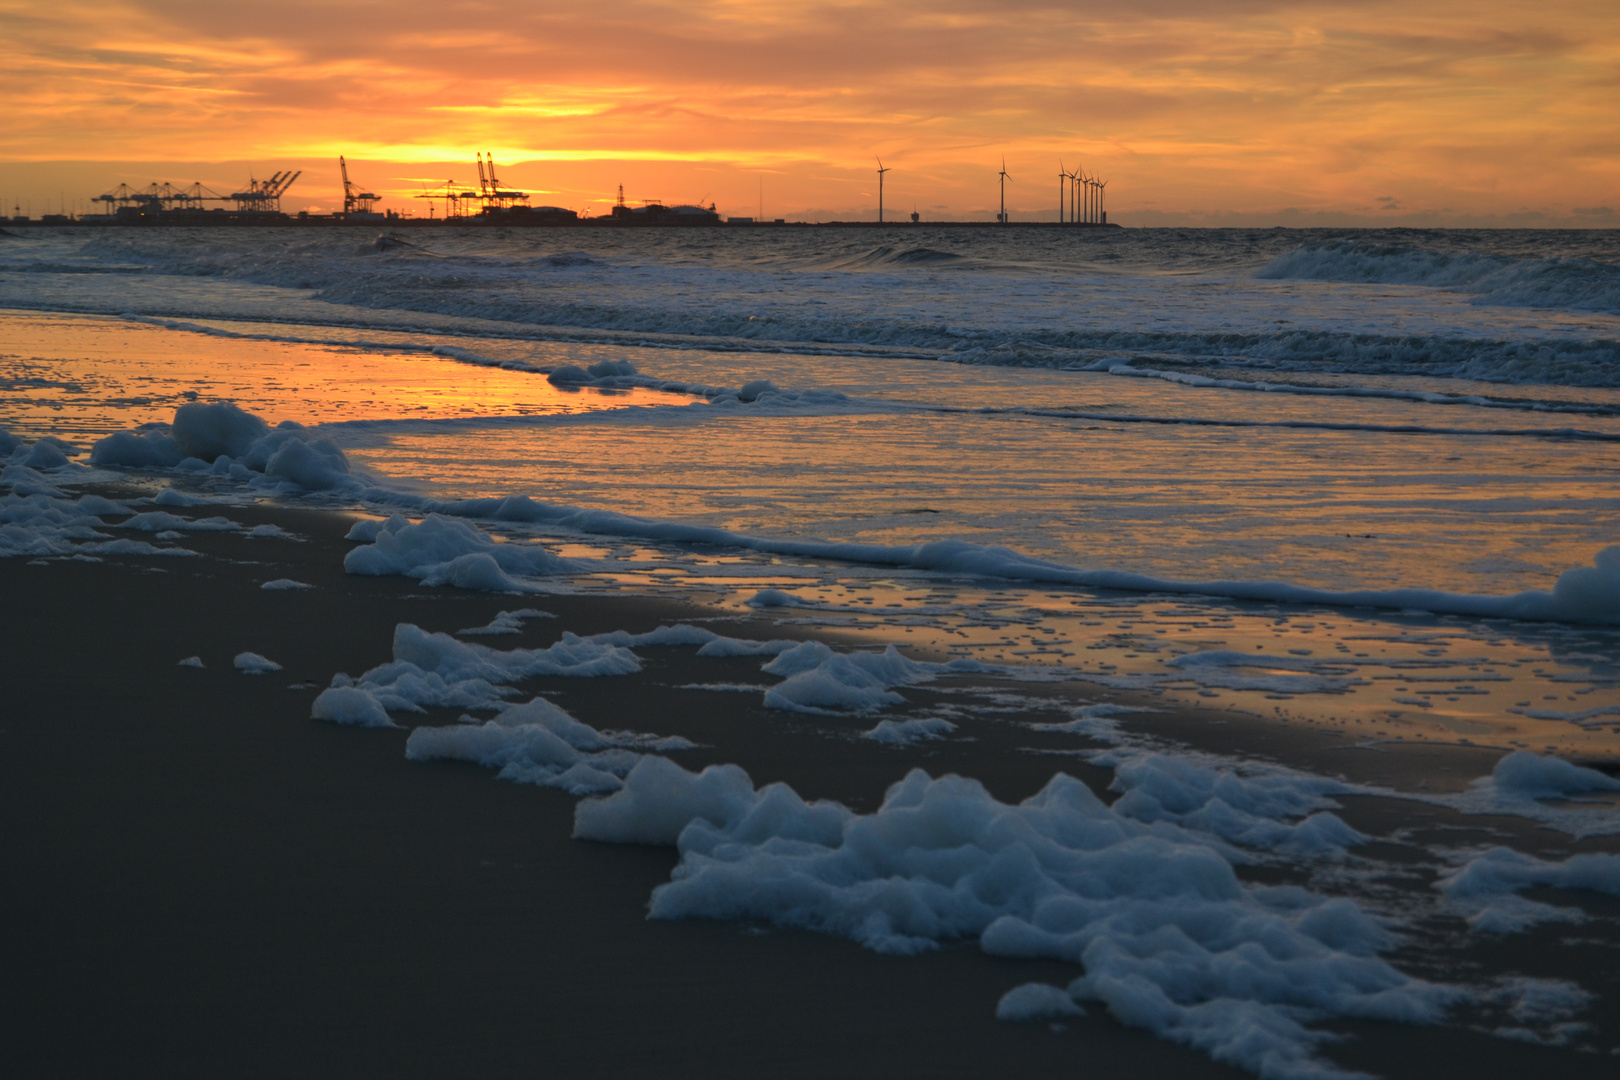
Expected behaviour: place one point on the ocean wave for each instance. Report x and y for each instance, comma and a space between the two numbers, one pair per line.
1576, 284
224, 442
664, 298
1424, 397
1587, 594
895, 255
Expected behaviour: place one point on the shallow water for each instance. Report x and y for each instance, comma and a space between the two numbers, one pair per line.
1341, 412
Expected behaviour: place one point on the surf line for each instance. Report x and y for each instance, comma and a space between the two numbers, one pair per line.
1573, 434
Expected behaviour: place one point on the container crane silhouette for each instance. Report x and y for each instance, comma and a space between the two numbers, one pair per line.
355, 201
264, 196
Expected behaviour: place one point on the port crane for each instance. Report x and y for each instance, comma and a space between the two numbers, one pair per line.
455, 198
490, 189
264, 196
355, 201
157, 197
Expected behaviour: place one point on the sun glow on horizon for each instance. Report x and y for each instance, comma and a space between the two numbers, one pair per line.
1236, 108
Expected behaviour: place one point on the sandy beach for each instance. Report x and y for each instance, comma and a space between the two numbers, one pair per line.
201, 880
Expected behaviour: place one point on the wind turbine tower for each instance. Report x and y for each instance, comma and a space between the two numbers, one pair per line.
1063, 176
1002, 217
881, 171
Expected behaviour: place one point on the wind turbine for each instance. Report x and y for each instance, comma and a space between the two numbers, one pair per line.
881, 171
1102, 215
1062, 176
1004, 178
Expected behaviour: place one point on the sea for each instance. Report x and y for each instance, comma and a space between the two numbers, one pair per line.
1361, 480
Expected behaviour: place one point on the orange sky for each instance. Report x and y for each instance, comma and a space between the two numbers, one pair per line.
1198, 111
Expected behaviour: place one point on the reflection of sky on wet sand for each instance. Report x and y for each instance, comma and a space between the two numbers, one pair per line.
1372, 676
1469, 513
81, 378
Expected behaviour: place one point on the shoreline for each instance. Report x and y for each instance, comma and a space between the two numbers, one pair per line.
203, 879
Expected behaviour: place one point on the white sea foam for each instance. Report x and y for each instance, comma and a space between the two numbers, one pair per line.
446, 551
222, 438
435, 670
1169, 938
817, 679
1036, 1001
907, 732
163, 521
538, 742
506, 622
284, 584
1485, 888
1589, 594
350, 705
251, 663
39, 520
174, 497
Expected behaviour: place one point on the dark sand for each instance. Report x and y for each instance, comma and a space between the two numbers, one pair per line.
198, 880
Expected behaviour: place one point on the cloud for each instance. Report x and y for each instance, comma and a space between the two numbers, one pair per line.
1222, 106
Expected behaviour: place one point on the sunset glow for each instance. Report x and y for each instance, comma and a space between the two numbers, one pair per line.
1238, 111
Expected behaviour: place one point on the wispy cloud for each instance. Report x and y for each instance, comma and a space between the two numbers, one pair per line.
1212, 107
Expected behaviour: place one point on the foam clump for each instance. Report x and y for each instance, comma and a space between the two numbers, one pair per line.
191, 661
44, 454
173, 497
39, 520
506, 622
1524, 773
1255, 812
907, 732
163, 521
100, 506
222, 438
601, 373
284, 585
535, 743
251, 663
137, 450
820, 680
1590, 594
1545, 789
1036, 1001
1170, 939
366, 530
350, 705
447, 551
286, 455
208, 430
436, 670
1485, 889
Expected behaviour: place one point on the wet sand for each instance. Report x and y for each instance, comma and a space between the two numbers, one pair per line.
199, 880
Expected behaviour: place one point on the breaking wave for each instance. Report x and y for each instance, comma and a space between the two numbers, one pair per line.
1569, 283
